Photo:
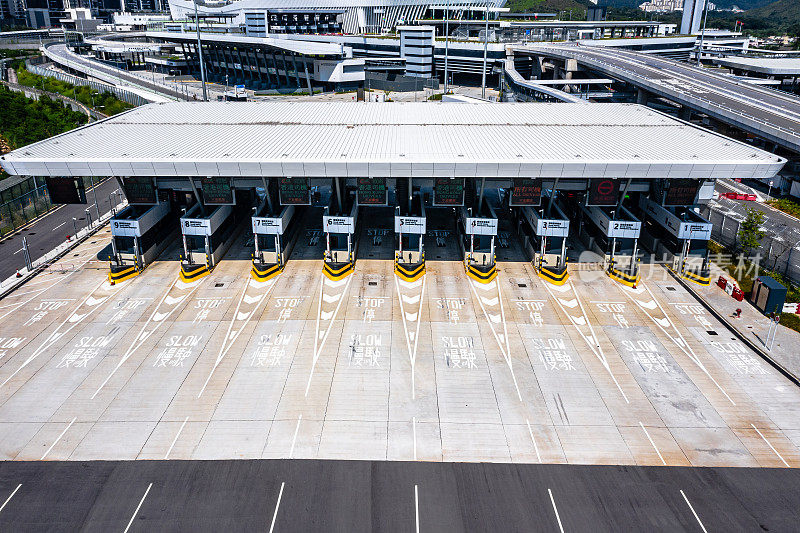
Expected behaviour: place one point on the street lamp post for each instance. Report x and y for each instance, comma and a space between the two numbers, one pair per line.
96, 203
702, 32
485, 50
446, 42
200, 52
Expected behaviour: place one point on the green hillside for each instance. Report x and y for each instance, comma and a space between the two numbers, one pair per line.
782, 14
578, 7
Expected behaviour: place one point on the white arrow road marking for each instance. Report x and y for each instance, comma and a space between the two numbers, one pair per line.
583, 320
172, 300
572, 304
335, 283
321, 336
579, 321
231, 335
74, 319
559, 288
331, 298
665, 322
651, 305
492, 319
143, 335
411, 336
42, 291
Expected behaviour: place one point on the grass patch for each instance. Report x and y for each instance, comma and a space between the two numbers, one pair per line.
6, 53
787, 206
105, 101
437, 97
791, 321
744, 277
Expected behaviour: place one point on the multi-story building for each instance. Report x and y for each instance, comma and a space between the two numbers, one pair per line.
353, 16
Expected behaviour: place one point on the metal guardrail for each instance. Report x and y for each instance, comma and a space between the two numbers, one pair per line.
515, 78
646, 81
103, 71
122, 94
49, 259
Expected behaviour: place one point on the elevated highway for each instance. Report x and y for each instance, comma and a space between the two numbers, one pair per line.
764, 112
61, 55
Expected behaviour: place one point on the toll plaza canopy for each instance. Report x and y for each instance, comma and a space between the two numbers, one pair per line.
426, 139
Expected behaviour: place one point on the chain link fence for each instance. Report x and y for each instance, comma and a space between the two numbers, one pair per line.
779, 250
22, 199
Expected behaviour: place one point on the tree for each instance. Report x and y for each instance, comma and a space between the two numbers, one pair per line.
750, 232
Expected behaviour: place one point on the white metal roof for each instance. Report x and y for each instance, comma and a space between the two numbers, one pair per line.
765, 65
320, 139
300, 47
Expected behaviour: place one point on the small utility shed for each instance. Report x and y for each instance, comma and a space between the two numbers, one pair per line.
768, 295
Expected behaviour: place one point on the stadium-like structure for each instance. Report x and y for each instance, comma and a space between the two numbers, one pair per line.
358, 16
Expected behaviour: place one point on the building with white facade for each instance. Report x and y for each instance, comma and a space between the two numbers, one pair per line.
357, 16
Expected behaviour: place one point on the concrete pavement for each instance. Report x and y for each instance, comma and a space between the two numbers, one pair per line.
374, 369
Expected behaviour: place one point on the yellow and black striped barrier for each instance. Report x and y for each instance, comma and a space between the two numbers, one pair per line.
481, 276
193, 272
336, 274
412, 274
261, 272
556, 276
701, 277
118, 274
623, 277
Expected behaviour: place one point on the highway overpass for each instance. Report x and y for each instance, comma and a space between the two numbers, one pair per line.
764, 112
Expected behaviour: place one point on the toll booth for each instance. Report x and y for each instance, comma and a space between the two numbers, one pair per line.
478, 235
409, 253
678, 234
207, 234
614, 234
545, 240
139, 233
273, 239
340, 245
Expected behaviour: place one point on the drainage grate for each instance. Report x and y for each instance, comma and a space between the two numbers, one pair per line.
218, 285
522, 285
712, 332
670, 288
371, 255
75, 255
373, 283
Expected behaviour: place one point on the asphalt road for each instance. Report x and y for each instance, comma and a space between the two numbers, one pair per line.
114, 74
300, 495
686, 83
52, 229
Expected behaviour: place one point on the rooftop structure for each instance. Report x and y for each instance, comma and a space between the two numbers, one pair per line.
765, 113
368, 16
762, 65
336, 139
